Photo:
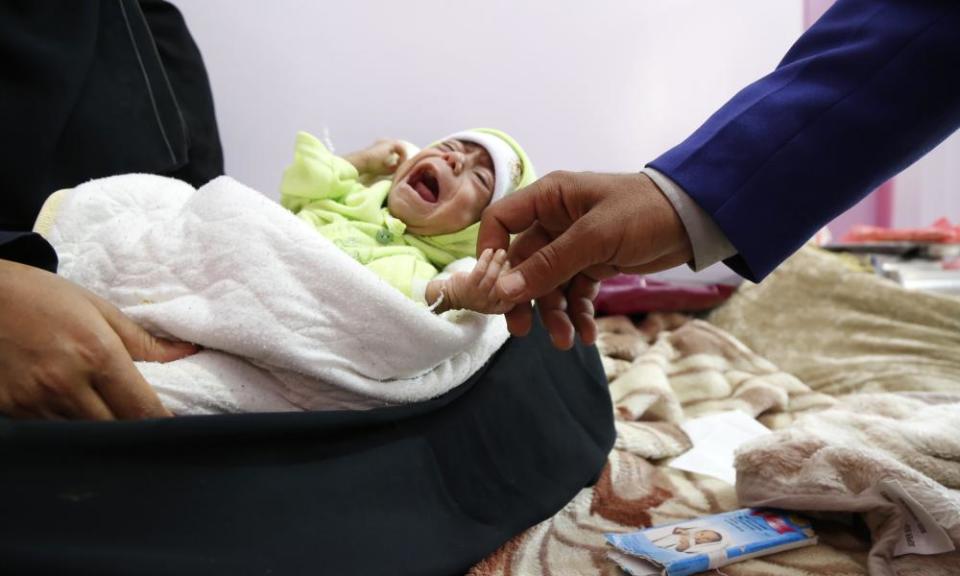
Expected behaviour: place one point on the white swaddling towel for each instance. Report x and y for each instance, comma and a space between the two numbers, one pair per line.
287, 320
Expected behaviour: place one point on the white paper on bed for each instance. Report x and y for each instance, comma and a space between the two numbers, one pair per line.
289, 321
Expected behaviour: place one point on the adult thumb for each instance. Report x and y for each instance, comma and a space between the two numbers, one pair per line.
553, 264
144, 346
139, 343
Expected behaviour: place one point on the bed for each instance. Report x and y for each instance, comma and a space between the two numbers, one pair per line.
818, 331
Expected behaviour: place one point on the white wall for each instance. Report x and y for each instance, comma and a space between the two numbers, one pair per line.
600, 85
930, 188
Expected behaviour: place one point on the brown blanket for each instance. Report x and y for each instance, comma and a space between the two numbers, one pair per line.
893, 458
841, 330
673, 372
789, 349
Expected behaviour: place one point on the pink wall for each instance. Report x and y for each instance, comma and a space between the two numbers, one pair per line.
877, 208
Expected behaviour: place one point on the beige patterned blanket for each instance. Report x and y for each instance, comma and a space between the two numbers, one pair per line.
671, 367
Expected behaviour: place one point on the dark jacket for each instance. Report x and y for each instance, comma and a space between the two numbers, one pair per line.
91, 89
871, 87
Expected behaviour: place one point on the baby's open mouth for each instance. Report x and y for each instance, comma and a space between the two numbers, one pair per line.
425, 183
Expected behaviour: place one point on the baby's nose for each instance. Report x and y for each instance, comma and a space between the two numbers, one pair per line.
454, 159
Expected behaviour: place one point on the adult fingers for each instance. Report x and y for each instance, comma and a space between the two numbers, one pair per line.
580, 296
515, 213
86, 404
50, 414
518, 211
520, 319
568, 254
23, 413
552, 308
124, 390
600, 272
525, 244
139, 343
77, 401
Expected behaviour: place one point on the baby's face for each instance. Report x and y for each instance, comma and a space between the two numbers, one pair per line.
442, 189
705, 536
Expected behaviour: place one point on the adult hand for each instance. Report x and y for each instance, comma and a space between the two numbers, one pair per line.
575, 229
66, 353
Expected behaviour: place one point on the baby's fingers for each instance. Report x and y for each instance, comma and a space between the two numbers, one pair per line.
401, 151
489, 279
395, 154
480, 268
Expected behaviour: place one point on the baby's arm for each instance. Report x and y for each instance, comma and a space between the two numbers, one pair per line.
474, 290
380, 158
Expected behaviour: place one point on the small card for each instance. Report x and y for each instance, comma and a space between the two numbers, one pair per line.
699, 544
715, 438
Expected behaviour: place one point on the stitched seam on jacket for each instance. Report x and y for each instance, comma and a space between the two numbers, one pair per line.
146, 79
166, 79
827, 110
805, 63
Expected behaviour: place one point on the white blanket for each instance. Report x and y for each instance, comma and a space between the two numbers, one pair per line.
288, 321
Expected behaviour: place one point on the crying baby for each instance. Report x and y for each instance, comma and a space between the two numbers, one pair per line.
406, 216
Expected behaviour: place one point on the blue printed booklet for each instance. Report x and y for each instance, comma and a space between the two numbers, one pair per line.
701, 544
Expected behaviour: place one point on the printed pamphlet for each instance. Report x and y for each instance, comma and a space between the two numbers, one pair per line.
701, 544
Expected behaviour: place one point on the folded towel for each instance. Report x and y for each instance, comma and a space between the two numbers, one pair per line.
287, 319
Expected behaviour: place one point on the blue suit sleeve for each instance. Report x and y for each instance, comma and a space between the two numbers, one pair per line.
864, 93
27, 248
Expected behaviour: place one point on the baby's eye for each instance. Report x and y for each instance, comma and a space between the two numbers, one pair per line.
484, 179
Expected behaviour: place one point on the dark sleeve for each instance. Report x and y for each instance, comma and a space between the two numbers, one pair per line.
864, 93
27, 248
97, 88
187, 74
47, 49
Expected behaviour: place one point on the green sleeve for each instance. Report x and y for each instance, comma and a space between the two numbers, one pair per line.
405, 272
315, 174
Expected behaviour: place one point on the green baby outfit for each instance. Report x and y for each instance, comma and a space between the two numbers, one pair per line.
326, 191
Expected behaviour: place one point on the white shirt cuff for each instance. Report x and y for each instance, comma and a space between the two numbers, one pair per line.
710, 245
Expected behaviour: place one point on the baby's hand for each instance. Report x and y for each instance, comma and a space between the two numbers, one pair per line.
380, 158
476, 290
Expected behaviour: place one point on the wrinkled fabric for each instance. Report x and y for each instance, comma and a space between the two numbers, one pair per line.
670, 367
286, 319
838, 461
424, 489
841, 329
631, 294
